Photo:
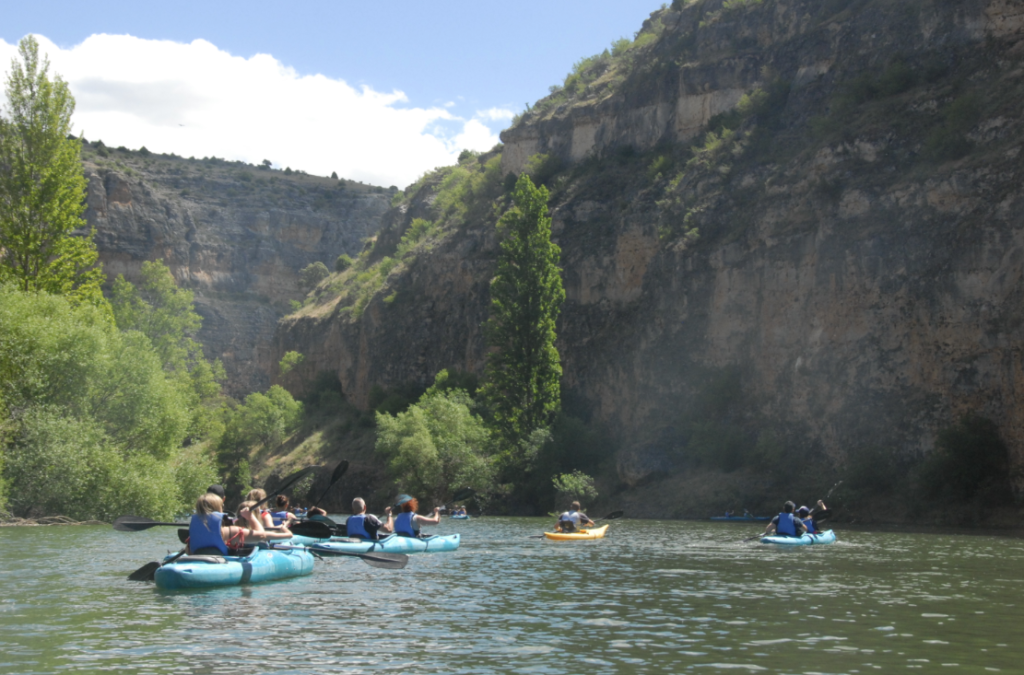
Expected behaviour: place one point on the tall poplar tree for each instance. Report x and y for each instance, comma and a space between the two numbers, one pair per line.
523, 368
42, 185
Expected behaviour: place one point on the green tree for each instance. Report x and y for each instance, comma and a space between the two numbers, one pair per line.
166, 315
574, 487
312, 274
438, 445
523, 372
289, 361
42, 186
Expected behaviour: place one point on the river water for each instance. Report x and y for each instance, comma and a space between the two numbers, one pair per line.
653, 597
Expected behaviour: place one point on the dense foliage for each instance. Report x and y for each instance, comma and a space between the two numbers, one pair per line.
95, 425
42, 186
523, 372
437, 445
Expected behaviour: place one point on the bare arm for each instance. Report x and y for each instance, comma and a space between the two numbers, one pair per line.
430, 520
389, 525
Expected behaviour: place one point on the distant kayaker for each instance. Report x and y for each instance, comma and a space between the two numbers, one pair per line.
571, 520
207, 534
786, 523
407, 523
365, 525
806, 516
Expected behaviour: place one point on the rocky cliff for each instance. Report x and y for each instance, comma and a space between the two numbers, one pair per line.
847, 246
235, 234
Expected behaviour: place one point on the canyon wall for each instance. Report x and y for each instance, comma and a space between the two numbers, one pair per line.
865, 281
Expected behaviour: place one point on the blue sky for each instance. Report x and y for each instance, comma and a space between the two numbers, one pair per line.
192, 78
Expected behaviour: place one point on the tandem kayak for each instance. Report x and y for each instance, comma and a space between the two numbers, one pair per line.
740, 519
465, 517
392, 543
826, 537
595, 533
209, 571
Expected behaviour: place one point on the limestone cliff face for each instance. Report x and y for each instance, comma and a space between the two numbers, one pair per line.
867, 280
236, 236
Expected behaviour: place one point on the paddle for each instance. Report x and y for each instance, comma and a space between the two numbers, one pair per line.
614, 515
136, 523
339, 471
313, 528
395, 561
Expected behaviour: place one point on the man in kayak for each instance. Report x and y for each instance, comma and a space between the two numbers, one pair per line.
786, 523
364, 525
571, 520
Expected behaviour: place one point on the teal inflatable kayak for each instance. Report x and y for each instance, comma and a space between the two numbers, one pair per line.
826, 537
465, 517
210, 571
392, 543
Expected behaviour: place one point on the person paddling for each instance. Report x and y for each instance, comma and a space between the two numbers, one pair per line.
408, 521
806, 516
786, 524
207, 535
283, 515
364, 525
571, 520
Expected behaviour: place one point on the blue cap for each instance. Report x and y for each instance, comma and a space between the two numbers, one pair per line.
401, 499
803, 510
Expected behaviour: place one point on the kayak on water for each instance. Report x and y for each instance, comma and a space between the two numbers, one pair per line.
594, 533
826, 537
464, 516
392, 543
740, 519
209, 571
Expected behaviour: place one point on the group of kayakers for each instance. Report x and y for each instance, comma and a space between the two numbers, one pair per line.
458, 511
793, 521
213, 531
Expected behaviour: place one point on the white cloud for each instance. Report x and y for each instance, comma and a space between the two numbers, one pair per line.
496, 114
197, 100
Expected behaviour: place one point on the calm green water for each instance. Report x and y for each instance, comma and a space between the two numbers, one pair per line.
654, 597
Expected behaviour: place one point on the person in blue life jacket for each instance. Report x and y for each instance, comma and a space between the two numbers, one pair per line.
571, 520
786, 523
282, 516
207, 535
806, 516
407, 523
366, 525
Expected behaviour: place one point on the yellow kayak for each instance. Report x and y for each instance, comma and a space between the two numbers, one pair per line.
595, 533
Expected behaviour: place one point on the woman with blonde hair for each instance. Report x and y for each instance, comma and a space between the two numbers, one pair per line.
207, 533
407, 522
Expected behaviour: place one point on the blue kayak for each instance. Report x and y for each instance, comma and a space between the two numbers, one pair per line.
826, 537
392, 543
210, 571
740, 519
462, 517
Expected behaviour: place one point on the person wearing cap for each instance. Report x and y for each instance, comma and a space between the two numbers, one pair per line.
806, 516
365, 525
786, 523
408, 521
571, 520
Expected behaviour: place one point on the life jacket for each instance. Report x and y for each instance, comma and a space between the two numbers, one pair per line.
809, 522
786, 525
355, 526
574, 516
405, 524
280, 517
204, 532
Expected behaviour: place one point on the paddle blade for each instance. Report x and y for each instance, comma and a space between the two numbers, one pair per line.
613, 515
144, 573
183, 535
339, 471
313, 528
822, 515
292, 480
137, 523
390, 561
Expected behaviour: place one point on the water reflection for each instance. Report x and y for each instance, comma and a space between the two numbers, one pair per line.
653, 597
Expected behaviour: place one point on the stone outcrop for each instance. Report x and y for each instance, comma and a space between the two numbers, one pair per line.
235, 235
868, 291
